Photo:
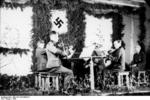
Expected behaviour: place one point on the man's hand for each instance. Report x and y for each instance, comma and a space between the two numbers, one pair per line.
134, 65
107, 63
64, 54
69, 52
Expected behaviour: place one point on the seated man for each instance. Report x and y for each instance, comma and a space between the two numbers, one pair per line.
54, 61
116, 57
139, 60
40, 56
114, 62
40, 59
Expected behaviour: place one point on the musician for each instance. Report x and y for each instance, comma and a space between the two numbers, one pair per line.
40, 56
139, 60
117, 56
54, 61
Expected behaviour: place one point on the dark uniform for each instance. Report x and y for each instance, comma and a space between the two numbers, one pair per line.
118, 60
140, 60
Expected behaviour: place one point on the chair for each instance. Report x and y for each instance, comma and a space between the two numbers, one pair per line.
54, 80
123, 79
141, 77
45, 80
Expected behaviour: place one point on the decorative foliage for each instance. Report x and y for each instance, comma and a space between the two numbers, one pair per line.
105, 8
142, 19
118, 26
148, 2
13, 51
41, 25
14, 83
76, 28
117, 21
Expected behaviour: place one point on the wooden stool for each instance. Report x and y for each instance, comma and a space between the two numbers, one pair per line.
123, 77
36, 80
43, 83
141, 77
39, 81
55, 81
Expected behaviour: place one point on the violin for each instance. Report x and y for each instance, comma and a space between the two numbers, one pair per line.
110, 58
68, 50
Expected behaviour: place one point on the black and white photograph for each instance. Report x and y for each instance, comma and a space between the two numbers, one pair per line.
74, 48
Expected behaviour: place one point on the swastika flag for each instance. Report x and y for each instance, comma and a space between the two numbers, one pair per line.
59, 21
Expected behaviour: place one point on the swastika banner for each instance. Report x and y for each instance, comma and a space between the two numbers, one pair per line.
59, 21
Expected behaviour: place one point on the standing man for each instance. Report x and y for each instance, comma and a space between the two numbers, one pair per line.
54, 61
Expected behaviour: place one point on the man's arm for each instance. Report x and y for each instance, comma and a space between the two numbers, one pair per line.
122, 55
50, 47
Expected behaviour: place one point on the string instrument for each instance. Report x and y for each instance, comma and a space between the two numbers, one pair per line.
110, 58
68, 51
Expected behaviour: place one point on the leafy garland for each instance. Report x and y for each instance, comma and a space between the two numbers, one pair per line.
41, 26
142, 19
118, 26
76, 28
113, 8
13, 51
117, 21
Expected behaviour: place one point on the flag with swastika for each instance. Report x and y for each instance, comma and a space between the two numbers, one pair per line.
59, 21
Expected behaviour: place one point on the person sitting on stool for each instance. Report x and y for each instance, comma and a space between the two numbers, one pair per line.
54, 62
139, 60
116, 59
